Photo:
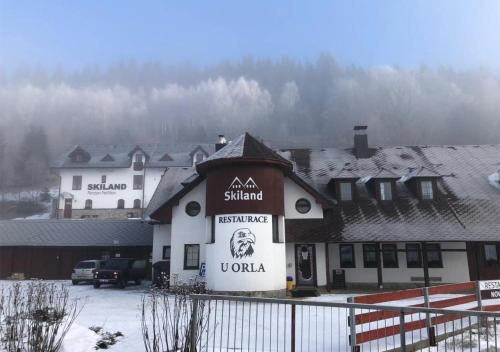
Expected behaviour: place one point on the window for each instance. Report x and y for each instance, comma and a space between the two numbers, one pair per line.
137, 181
490, 254
166, 252
434, 258
390, 255
347, 256
77, 183
193, 208
121, 204
137, 203
276, 230
345, 191
370, 255
385, 191
427, 189
198, 158
191, 256
413, 255
303, 206
212, 232
88, 204
103, 179
138, 158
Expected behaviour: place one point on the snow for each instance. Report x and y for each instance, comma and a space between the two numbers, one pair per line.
43, 216
319, 328
494, 179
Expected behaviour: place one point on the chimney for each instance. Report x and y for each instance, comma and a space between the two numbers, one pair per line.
361, 150
221, 143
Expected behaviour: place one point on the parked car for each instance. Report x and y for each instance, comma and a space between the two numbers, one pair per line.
84, 271
120, 271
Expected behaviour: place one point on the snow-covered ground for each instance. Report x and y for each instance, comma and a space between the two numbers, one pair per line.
256, 327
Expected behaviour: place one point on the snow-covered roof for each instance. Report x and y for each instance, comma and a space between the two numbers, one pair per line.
118, 155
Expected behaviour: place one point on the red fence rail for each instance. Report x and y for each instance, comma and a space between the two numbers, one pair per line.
468, 294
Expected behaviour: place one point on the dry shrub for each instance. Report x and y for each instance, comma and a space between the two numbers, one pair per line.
35, 316
167, 318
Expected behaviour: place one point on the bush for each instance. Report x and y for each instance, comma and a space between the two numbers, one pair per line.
167, 318
35, 317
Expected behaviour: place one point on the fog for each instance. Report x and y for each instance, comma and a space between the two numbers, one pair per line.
286, 102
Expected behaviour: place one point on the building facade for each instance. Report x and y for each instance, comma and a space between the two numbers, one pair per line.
117, 182
248, 217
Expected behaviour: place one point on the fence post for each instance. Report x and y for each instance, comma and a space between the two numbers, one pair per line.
431, 331
193, 333
292, 325
352, 325
402, 331
478, 296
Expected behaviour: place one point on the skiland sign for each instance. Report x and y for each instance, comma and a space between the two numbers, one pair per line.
238, 190
104, 188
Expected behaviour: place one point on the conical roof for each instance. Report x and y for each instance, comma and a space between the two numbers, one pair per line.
245, 149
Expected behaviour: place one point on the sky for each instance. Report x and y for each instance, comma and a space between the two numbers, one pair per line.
462, 34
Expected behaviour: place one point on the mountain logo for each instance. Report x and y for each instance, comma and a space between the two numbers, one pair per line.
238, 190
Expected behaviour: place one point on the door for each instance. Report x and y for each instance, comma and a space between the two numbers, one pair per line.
68, 207
305, 264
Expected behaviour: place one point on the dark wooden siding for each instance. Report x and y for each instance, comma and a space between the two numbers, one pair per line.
478, 268
56, 263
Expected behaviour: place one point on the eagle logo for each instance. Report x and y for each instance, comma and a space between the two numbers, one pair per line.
242, 243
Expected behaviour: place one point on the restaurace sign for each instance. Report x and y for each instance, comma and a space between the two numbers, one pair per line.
238, 190
242, 243
490, 289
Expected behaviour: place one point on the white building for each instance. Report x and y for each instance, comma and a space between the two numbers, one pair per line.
118, 181
247, 217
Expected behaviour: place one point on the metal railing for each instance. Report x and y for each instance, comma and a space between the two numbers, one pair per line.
237, 323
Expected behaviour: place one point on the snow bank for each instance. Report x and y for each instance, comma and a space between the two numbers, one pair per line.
494, 180
79, 339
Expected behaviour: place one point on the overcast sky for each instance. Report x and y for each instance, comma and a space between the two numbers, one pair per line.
462, 34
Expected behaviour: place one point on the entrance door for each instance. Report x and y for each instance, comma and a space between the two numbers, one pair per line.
68, 207
305, 264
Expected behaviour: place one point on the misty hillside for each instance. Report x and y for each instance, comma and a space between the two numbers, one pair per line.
286, 102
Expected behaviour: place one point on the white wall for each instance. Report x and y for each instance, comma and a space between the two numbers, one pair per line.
455, 266
109, 199
161, 237
293, 192
188, 230
265, 267
320, 262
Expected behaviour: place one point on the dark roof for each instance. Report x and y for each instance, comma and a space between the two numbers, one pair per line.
467, 207
172, 182
75, 233
245, 148
119, 156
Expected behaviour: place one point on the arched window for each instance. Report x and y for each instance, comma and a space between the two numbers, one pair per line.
137, 203
88, 204
121, 204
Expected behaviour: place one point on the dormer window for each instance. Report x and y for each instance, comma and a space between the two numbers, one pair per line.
79, 155
198, 158
345, 191
385, 190
138, 158
427, 190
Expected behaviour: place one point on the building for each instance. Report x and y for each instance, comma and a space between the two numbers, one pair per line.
248, 216
117, 181
49, 249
